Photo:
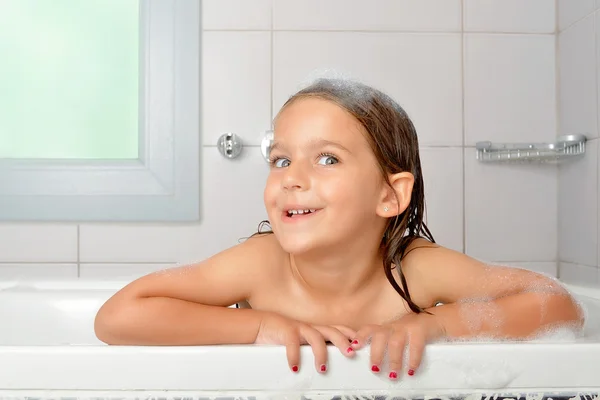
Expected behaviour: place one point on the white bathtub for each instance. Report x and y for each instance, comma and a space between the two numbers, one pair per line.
48, 350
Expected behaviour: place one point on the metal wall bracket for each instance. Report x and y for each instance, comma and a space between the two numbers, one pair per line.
230, 145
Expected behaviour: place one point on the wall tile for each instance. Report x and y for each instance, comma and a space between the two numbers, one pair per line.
236, 14
232, 207
442, 174
379, 15
420, 71
577, 67
38, 243
509, 88
236, 85
119, 272
578, 274
570, 11
531, 16
549, 268
578, 208
511, 211
597, 44
37, 271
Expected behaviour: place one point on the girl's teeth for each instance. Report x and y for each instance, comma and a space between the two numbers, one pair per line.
307, 211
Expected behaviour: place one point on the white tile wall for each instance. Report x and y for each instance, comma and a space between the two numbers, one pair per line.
578, 208
236, 14
546, 268
578, 75
511, 211
38, 243
37, 271
597, 74
531, 16
579, 274
571, 11
373, 15
258, 52
443, 177
579, 197
236, 85
510, 92
421, 71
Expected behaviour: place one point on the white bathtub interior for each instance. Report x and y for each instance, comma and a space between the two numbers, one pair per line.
47, 343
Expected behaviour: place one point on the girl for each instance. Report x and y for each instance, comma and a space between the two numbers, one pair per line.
349, 259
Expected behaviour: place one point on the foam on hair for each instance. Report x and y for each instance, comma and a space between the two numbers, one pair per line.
347, 85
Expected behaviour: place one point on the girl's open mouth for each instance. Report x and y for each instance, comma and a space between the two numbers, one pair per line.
300, 214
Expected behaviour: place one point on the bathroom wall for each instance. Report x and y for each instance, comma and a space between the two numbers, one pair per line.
579, 67
464, 70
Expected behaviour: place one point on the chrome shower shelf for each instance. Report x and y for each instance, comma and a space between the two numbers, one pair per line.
565, 146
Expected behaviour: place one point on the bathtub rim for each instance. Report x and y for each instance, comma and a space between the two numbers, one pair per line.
82, 362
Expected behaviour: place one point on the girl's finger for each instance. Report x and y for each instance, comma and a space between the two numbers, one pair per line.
416, 346
348, 332
362, 336
338, 339
292, 350
319, 348
396, 346
379, 340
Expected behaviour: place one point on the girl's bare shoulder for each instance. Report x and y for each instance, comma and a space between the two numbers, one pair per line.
266, 252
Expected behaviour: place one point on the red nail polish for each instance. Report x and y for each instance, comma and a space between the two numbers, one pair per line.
393, 375
323, 368
411, 372
349, 350
295, 368
375, 368
355, 342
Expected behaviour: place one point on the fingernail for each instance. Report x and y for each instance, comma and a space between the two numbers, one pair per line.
355, 342
295, 368
411, 372
323, 368
393, 375
375, 368
349, 350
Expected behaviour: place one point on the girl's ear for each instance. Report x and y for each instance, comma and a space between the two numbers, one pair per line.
395, 199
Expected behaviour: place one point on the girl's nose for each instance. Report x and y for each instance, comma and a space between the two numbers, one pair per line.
295, 178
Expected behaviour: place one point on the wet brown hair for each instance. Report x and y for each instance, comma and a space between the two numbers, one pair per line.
393, 139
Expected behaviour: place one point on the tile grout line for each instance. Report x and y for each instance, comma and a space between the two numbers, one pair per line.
595, 38
574, 22
463, 152
272, 64
558, 129
423, 32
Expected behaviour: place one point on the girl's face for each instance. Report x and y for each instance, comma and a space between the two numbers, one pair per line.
324, 185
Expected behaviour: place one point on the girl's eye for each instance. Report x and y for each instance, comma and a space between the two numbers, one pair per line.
280, 162
327, 159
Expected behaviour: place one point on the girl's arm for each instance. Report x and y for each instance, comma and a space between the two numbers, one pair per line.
516, 316
189, 305
484, 300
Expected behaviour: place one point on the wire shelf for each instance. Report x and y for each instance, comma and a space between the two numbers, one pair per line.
565, 147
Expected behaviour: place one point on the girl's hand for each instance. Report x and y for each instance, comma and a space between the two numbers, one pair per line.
277, 329
414, 330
